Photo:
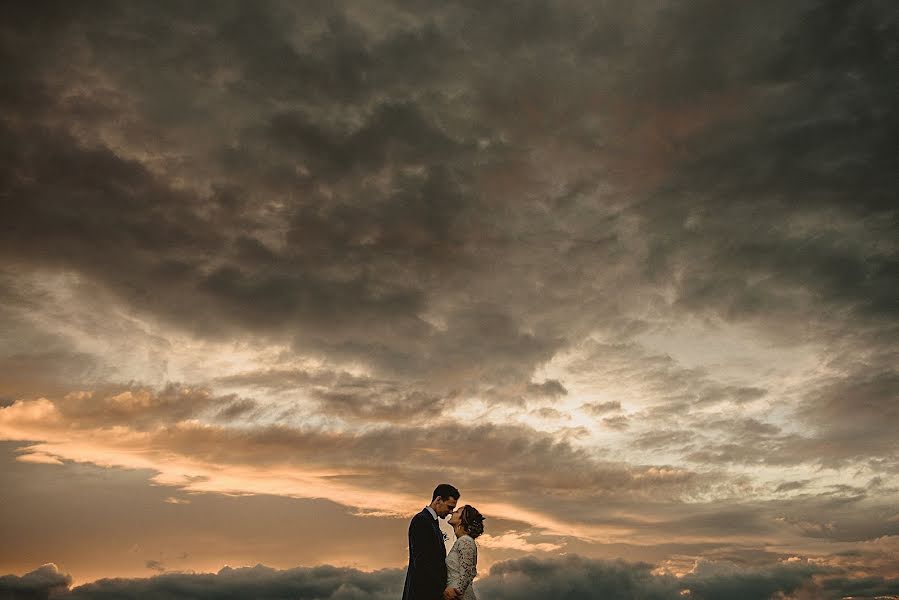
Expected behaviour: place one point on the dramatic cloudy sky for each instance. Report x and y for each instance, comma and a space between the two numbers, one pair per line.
624, 272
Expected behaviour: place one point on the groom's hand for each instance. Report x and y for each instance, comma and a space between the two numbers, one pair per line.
450, 593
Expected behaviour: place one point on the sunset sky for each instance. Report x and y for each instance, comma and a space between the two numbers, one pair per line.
625, 273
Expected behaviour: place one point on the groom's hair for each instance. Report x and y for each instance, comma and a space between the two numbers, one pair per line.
445, 490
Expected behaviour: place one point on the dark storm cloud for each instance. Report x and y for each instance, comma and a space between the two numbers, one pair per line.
160, 241
751, 584
747, 204
573, 576
862, 587
356, 176
578, 577
759, 225
36, 585
257, 582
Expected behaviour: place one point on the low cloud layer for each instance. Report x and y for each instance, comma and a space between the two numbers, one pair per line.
571, 577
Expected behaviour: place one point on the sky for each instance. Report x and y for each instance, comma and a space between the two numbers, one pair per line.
625, 273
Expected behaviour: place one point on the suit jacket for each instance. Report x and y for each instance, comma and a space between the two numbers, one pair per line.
426, 575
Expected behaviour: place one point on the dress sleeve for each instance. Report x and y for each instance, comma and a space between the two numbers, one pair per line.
468, 562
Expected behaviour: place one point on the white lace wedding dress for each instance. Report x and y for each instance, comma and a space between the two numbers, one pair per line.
462, 566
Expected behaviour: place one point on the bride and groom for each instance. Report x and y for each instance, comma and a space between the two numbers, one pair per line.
433, 574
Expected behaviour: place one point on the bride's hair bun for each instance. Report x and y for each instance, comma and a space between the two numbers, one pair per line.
472, 521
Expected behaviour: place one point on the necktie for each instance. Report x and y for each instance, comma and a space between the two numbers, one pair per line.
437, 532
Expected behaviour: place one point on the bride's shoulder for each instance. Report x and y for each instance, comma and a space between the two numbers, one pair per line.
467, 540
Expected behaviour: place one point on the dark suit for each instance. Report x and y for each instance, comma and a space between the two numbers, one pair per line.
426, 576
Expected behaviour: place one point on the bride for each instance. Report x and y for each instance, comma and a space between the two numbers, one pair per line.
462, 560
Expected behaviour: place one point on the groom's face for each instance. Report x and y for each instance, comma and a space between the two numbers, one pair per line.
445, 506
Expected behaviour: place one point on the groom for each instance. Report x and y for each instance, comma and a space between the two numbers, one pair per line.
426, 576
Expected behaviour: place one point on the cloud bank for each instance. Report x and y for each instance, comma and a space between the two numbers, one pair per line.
571, 578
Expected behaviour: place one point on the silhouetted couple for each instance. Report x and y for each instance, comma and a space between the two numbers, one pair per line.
433, 574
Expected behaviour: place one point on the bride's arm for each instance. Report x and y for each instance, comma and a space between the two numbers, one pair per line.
468, 562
